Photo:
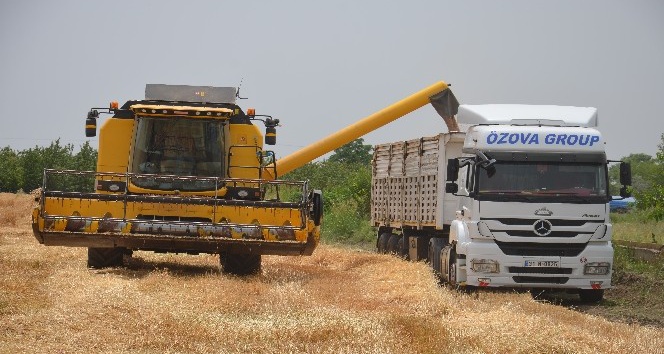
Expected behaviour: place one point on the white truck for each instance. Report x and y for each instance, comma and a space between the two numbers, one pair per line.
518, 198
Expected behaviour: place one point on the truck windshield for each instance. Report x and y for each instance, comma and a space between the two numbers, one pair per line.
180, 147
556, 181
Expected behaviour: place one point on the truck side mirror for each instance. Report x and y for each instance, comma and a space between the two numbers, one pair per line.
451, 187
452, 171
625, 174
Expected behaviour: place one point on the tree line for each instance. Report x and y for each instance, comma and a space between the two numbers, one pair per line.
647, 182
24, 170
345, 178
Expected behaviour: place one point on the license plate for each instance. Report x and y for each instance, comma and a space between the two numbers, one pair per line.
555, 264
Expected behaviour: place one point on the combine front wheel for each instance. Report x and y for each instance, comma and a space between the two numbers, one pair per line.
107, 257
240, 264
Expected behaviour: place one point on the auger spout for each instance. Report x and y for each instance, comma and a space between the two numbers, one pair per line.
438, 94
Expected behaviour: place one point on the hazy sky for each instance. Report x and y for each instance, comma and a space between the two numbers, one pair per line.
319, 66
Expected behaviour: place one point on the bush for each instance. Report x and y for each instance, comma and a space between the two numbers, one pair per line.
345, 180
345, 225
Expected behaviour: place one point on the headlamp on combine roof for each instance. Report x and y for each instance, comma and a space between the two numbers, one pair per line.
188, 111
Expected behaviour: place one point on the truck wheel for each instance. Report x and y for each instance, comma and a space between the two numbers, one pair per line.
539, 294
382, 242
393, 245
452, 281
240, 264
99, 258
591, 296
435, 247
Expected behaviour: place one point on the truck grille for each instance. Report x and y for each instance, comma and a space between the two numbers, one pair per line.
541, 249
529, 233
554, 222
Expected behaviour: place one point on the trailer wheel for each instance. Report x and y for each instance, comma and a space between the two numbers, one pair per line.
99, 258
592, 296
393, 245
382, 242
240, 264
402, 252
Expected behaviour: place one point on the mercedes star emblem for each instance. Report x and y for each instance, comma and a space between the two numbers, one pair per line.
542, 227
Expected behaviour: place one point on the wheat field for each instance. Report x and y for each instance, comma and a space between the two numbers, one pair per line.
336, 301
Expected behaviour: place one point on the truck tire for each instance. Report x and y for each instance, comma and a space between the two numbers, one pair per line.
403, 252
382, 242
591, 296
435, 246
452, 268
240, 264
99, 258
393, 245
539, 294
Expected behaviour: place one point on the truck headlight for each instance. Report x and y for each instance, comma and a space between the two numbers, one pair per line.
484, 230
597, 268
484, 265
600, 232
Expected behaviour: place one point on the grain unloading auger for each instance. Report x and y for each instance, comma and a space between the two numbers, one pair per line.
185, 171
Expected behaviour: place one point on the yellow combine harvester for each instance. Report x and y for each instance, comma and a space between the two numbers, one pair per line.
185, 170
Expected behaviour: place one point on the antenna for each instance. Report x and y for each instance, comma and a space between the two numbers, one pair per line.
238, 91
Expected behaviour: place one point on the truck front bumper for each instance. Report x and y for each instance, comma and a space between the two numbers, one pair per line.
538, 271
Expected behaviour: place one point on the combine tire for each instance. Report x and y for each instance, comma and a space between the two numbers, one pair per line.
240, 264
99, 258
591, 296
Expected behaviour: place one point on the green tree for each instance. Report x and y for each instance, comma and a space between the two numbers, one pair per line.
35, 160
11, 176
85, 159
651, 199
355, 152
645, 171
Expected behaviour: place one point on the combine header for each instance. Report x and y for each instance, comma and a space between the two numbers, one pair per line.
185, 170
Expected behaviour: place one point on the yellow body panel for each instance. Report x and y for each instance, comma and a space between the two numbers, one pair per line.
244, 142
114, 145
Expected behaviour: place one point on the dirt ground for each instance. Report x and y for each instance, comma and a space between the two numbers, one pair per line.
337, 301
